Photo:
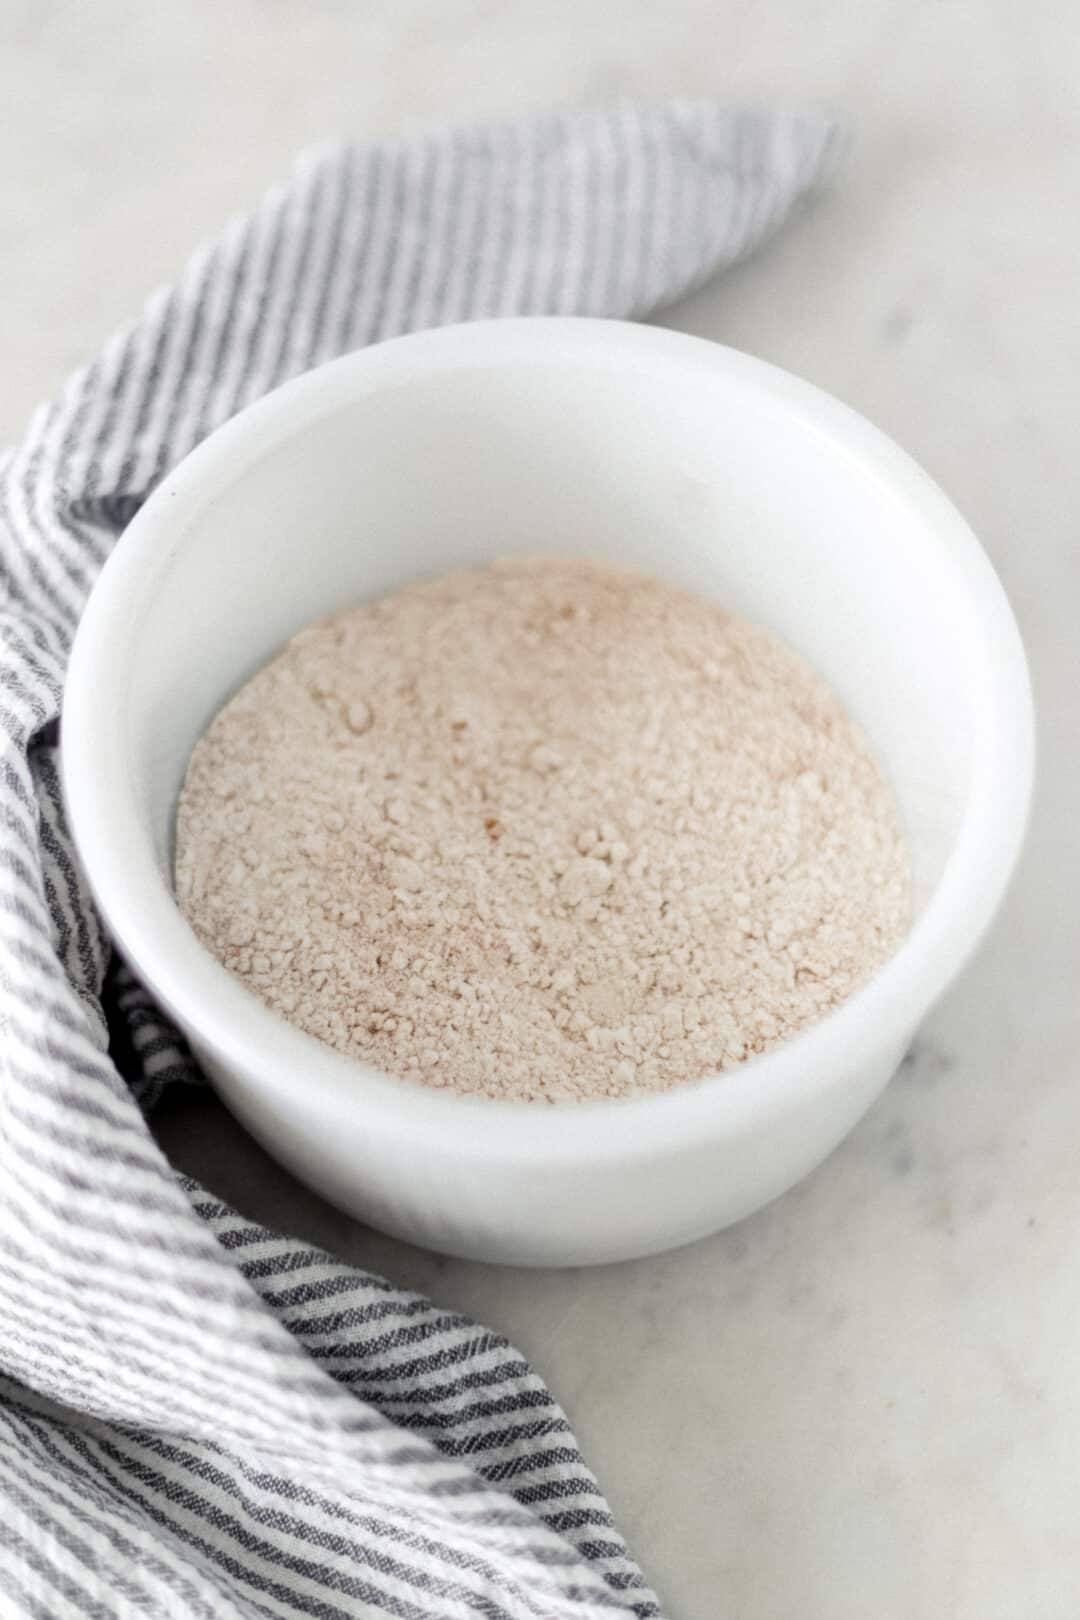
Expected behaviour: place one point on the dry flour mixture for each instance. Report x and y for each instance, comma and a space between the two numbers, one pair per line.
544, 829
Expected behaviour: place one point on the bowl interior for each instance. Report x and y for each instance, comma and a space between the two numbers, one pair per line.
698, 472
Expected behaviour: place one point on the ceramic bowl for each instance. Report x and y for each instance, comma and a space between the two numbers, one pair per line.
702, 465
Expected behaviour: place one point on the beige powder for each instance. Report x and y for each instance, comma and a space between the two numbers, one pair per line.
545, 829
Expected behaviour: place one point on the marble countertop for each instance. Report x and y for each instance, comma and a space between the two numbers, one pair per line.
866, 1399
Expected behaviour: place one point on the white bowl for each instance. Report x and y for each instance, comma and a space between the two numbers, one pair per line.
442, 449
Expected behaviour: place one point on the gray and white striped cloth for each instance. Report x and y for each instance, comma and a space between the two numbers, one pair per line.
199, 1417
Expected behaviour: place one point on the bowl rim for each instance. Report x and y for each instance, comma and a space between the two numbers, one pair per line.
227, 1018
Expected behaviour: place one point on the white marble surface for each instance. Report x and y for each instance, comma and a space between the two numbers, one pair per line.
865, 1401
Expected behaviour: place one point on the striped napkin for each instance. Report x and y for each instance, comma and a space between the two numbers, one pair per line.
199, 1417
